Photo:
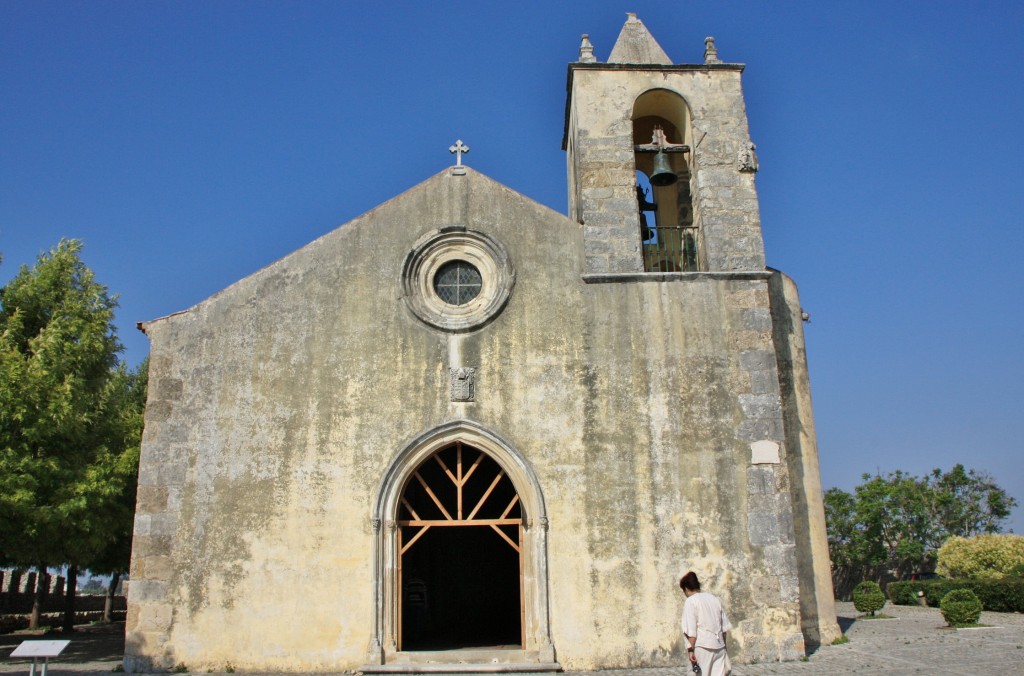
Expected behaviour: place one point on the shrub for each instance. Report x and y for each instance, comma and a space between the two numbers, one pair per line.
904, 593
960, 607
1001, 596
868, 597
983, 557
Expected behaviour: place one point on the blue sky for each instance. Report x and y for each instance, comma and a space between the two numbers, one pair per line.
189, 144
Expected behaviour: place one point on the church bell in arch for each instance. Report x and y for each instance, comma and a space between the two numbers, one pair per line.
663, 173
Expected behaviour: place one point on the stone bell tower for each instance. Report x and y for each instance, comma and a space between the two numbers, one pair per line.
686, 124
661, 177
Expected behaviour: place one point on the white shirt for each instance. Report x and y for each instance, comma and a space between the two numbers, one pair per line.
704, 618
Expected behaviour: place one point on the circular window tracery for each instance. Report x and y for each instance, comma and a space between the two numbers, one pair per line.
457, 282
457, 279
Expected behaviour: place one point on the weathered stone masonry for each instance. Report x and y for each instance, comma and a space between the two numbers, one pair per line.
650, 421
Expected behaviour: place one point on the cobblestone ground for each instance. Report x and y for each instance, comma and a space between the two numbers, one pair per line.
915, 642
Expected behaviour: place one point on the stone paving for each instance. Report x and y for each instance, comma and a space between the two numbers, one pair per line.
915, 642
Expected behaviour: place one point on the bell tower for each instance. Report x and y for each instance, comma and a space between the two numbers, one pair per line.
661, 177
660, 162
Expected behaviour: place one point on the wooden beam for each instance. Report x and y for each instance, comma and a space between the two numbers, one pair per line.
409, 507
432, 496
507, 509
486, 495
464, 522
653, 148
416, 537
476, 463
437, 456
506, 538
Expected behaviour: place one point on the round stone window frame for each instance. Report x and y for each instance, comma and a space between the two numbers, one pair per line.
457, 243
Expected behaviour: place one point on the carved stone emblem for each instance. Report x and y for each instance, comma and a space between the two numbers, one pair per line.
747, 158
463, 383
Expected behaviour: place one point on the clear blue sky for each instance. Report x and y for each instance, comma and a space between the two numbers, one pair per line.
191, 143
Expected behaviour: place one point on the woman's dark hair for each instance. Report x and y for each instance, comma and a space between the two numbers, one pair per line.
689, 582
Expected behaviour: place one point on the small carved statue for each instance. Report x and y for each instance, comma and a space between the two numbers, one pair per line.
747, 158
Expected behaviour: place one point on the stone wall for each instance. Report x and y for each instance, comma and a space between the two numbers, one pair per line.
17, 595
277, 407
599, 142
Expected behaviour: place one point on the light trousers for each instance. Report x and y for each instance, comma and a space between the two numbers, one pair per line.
713, 662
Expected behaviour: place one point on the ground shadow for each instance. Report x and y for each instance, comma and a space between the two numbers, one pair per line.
845, 623
89, 643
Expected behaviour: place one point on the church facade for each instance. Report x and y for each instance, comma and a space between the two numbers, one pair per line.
466, 432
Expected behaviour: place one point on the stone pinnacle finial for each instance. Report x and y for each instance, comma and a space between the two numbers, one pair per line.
586, 50
710, 51
636, 45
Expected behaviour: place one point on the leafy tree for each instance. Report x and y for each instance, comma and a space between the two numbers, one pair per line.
126, 405
982, 557
893, 525
58, 348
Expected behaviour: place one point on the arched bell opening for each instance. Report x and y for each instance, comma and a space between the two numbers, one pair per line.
661, 141
461, 546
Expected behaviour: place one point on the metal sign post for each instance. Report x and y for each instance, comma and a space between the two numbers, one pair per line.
37, 649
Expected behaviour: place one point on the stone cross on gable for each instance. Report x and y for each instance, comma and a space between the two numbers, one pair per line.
458, 149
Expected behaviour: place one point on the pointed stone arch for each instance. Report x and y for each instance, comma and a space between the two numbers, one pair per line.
537, 649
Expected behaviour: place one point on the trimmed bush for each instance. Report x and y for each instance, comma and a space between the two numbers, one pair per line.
982, 557
904, 593
868, 597
960, 607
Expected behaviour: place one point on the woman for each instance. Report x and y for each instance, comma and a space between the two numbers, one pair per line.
705, 627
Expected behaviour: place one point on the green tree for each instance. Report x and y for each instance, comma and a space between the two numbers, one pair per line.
893, 525
126, 406
58, 348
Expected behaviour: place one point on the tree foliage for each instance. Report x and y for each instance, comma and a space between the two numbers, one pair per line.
982, 557
70, 417
893, 525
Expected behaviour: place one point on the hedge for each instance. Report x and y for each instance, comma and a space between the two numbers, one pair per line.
1001, 596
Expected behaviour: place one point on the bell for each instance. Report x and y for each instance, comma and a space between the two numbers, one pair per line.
645, 230
662, 174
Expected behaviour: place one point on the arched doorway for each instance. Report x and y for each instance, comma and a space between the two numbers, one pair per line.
508, 533
460, 544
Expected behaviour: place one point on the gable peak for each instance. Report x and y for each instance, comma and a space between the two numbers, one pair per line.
635, 44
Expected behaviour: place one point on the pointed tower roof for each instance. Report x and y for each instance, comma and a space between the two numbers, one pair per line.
636, 45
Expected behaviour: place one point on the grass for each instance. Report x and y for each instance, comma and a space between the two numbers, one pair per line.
841, 640
877, 616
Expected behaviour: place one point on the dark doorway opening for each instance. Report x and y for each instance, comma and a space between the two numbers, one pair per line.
460, 543
461, 591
